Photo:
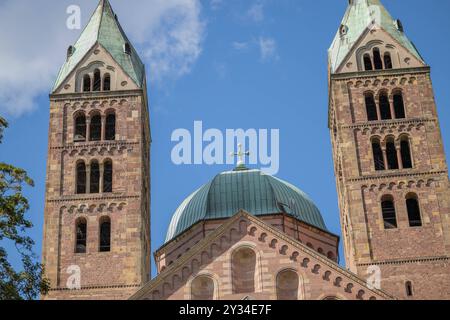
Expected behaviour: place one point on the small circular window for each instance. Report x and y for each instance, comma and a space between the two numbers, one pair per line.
343, 30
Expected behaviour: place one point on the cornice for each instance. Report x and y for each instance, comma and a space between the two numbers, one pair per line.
73, 146
77, 96
385, 175
69, 199
405, 261
118, 286
377, 73
382, 123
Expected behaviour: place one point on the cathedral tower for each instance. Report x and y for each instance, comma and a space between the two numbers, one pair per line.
97, 211
390, 166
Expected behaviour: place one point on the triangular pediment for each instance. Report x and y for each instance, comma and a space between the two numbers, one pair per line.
98, 57
275, 251
377, 37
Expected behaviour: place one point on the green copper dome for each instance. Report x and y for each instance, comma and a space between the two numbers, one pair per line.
249, 190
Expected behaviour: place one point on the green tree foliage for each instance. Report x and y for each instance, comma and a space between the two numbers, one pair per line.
29, 282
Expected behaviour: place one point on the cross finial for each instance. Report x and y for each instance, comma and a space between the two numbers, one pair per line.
240, 154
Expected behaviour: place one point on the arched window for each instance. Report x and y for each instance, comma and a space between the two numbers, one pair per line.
110, 130
387, 61
244, 269
412, 205
368, 62
202, 288
107, 82
81, 236
287, 285
399, 106
80, 128
105, 234
95, 177
385, 107
409, 289
86, 83
97, 80
81, 178
391, 154
378, 155
371, 108
378, 63
96, 128
405, 153
389, 216
107, 176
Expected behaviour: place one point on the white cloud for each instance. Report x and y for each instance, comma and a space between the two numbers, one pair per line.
240, 45
216, 4
268, 49
168, 33
256, 12
221, 69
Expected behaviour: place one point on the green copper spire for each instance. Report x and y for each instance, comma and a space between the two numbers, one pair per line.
104, 28
361, 15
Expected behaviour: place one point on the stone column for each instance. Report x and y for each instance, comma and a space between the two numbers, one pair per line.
101, 168
377, 107
88, 129
391, 105
88, 178
103, 127
399, 156
386, 164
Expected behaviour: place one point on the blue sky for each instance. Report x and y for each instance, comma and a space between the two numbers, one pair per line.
245, 64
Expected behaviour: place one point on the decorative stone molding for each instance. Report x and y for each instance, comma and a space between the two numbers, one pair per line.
94, 207
400, 185
400, 174
118, 286
395, 125
89, 197
106, 149
444, 259
380, 73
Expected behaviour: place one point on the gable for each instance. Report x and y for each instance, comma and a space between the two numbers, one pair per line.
215, 260
401, 57
96, 58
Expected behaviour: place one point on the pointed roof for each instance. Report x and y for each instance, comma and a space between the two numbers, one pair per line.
359, 17
104, 28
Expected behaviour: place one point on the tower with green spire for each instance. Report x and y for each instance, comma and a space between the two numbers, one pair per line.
390, 166
97, 210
